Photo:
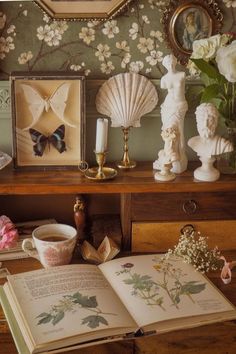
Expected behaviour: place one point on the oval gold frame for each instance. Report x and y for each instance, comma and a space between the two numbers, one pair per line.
175, 10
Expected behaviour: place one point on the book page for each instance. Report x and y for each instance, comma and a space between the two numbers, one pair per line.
153, 290
66, 301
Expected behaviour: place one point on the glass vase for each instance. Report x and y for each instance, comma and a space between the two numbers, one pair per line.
226, 163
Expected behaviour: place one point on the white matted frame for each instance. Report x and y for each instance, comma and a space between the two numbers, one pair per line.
48, 111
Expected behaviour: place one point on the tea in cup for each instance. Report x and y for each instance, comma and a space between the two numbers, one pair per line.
51, 244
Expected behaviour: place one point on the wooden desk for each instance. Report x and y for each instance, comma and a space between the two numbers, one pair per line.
219, 338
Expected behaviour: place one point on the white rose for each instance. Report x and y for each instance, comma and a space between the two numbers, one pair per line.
206, 48
226, 61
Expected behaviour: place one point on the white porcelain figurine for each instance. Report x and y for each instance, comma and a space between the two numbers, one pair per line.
173, 109
208, 144
169, 154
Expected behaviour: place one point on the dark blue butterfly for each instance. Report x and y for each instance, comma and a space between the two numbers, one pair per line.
41, 141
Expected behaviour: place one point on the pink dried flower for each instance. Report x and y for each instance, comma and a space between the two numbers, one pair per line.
8, 233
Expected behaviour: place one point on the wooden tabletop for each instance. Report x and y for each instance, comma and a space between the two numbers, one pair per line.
137, 180
219, 338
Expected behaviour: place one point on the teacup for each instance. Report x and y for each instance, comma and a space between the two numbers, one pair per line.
51, 244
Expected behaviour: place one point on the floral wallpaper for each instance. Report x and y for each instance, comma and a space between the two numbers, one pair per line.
134, 41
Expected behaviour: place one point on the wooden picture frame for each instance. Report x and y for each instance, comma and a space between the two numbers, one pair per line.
48, 111
185, 21
82, 9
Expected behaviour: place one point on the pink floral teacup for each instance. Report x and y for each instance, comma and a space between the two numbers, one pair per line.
51, 244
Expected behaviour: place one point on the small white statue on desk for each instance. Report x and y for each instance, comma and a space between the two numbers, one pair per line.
169, 154
208, 144
173, 109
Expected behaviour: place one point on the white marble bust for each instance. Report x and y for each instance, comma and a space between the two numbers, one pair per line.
173, 109
208, 144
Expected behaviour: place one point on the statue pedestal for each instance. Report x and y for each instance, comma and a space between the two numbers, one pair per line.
207, 172
165, 174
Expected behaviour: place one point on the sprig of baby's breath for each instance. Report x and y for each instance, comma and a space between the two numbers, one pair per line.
193, 248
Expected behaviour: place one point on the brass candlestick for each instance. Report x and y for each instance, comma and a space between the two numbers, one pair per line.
100, 173
126, 163
100, 158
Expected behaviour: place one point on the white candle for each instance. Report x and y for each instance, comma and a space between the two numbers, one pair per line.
101, 135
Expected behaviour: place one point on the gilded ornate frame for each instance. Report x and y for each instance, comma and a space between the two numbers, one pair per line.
60, 100
82, 9
208, 20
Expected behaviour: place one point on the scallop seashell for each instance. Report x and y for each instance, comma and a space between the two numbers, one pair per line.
125, 98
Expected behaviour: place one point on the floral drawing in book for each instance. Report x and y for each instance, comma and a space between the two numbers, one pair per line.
71, 303
170, 281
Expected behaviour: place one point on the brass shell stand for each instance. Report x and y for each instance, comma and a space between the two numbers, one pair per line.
126, 163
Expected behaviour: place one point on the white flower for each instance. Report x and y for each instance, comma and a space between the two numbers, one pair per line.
44, 33
87, 35
11, 29
103, 51
25, 12
123, 46
154, 57
107, 68
226, 61
75, 67
193, 70
60, 26
46, 18
25, 57
145, 19
7, 44
125, 60
230, 3
157, 34
136, 66
148, 70
54, 40
132, 9
3, 19
87, 72
141, 6
145, 44
133, 32
206, 48
110, 29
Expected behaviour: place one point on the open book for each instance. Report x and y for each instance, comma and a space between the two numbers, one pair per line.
77, 305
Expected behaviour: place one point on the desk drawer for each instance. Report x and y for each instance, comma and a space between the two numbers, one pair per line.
182, 206
160, 236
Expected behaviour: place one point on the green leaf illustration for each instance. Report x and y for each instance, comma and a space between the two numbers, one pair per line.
140, 282
210, 92
59, 316
46, 319
192, 287
93, 321
43, 314
85, 301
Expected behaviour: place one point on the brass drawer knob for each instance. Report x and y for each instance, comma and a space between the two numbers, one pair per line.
190, 207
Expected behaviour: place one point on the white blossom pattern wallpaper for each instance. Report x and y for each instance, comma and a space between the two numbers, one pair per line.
133, 41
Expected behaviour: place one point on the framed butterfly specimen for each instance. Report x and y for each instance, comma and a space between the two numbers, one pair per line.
48, 120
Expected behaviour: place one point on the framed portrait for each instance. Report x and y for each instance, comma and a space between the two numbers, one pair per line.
186, 21
82, 9
48, 127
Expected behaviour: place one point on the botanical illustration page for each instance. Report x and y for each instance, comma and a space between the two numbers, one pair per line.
155, 290
68, 300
